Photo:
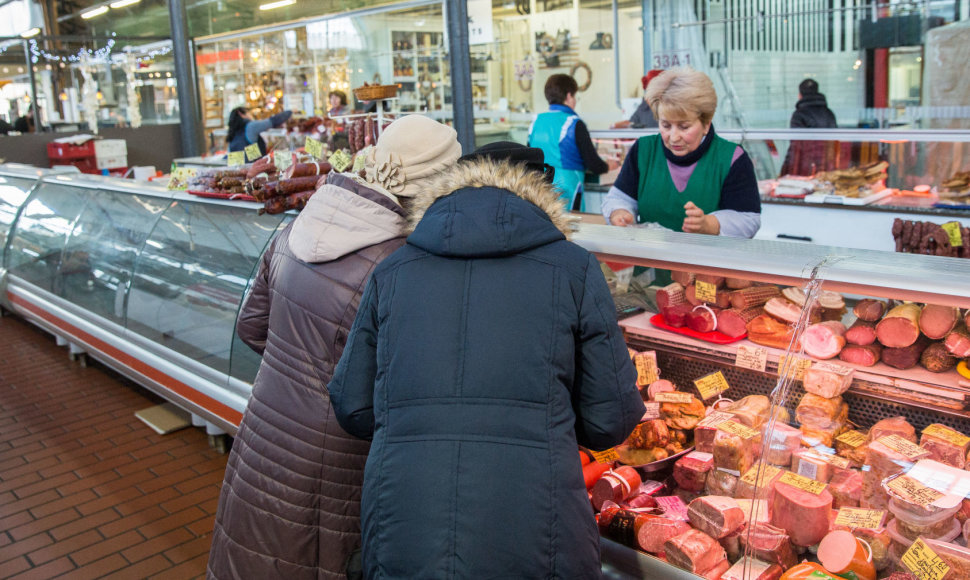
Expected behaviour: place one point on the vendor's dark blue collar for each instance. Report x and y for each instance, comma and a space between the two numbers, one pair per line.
692, 157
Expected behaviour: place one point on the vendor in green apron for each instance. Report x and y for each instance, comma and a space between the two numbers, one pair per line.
686, 178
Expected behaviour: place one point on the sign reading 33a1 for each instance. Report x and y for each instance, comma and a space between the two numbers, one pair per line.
670, 58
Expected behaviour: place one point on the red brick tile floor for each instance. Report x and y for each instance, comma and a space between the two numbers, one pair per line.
86, 489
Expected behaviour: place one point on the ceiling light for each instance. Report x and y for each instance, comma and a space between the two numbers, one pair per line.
123, 3
278, 4
95, 12
32, 32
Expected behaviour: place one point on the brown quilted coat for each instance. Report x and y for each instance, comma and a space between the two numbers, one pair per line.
290, 501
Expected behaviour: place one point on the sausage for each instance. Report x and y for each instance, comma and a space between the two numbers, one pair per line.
869, 309
306, 169
733, 322
282, 203
804, 515
937, 321
862, 332
957, 342
861, 354
905, 357
369, 131
900, 327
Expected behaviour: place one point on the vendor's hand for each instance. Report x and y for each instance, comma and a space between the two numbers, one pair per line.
622, 217
613, 163
697, 222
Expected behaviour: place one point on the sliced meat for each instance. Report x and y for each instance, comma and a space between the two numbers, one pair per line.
900, 327
715, 515
670, 295
690, 471
804, 515
694, 551
770, 544
769, 331
734, 322
862, 332
869, 309
783, 310
676, 316
702, 318
937, 321
824, 340
866, 355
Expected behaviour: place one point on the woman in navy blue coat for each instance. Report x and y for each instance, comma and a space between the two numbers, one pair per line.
484, 350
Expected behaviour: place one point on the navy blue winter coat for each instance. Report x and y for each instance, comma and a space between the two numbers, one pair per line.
483, 351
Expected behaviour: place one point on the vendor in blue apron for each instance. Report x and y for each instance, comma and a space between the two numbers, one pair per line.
686, 178
565, 141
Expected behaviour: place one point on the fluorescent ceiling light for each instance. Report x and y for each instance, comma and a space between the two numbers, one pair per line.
96, 12
278, 4
32, 32
123, 3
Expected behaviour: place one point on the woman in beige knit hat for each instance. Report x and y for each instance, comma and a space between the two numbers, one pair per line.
290, 502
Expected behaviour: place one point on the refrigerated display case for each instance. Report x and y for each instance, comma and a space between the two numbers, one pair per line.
150, 282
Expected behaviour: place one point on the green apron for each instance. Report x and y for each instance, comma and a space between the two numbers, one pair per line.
658, 198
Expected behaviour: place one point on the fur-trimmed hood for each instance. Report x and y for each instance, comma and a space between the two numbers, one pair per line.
487, 208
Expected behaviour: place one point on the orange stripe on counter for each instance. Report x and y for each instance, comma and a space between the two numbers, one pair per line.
175, 386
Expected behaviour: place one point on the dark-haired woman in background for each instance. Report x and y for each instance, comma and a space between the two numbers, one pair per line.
244, 130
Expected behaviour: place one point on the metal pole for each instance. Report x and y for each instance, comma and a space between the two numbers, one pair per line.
38, 124
459, 58
647, 29
183, 51
616, 55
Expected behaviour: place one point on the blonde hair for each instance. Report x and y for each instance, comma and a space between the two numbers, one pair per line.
682, 93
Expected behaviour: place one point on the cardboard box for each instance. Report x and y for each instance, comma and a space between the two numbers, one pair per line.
110, 148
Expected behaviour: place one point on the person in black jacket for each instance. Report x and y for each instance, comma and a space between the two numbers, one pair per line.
811, 112
476, 390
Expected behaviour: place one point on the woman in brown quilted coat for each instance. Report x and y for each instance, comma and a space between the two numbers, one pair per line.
290, 501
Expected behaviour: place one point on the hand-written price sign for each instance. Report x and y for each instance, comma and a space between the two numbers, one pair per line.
751, 477
236, 158
673, 397
179, 177
923, 562
252, 152
952, 229
651, 411
734, 428
852, 438
802, 482
646, 363
903, 446
339, 160
797, 365
752, 357
712, 385
947, 434
913, 491
313, 148
608, 456
705, 291
282, 159
860, 518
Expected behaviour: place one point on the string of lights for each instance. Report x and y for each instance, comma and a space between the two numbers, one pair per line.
102, 54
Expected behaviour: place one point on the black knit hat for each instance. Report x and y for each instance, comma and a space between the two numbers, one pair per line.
532, 157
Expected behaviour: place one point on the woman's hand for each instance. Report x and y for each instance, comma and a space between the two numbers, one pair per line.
622, 217
697, 222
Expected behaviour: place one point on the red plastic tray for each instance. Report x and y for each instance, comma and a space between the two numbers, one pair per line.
218, 195
713, 337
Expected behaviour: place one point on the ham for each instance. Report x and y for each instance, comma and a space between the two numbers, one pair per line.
827, 380
824, 340
937, 321
945, 445
783, 310
733, 322
897, 425
957, 341
810, 464
694, 551
656, 531
862, 332
660, 386
676, 316
685, 279
768, 331
690, 471
802, 514
900, 327
846, 488
784, 441
716, 516
638, 530
819, 412
770, 544
670, 295
702, 319
866, 356
721, 482
869, 309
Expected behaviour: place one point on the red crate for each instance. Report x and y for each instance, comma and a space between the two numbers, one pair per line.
86, 165
60, 151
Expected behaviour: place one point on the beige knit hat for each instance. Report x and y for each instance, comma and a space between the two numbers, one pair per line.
411, 149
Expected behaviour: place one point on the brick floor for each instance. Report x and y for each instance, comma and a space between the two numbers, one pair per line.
86, 489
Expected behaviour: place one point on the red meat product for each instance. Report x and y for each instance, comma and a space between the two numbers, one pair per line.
862, 332
738, 283
869, 309
770, 544
655, 532
785, 440
945, 445
905, 357
676, 316
733, 322
702, 319
804, 515
891, 454
756, 570
296, 201
638, 530
705, 431
827, 380
753, 296
900, 327
717, 516
866, 356
592, 472
306, 169
811, 464
893, 426
717, 570
937, 359
640, 500
732, 544
673, 507
694, 551
957, 342
783, 310
824, 340
685, 279
670, 295
846, 488
937, 321
966, 318
615, 486
721, 482
660, 386
768, 331
820, 412
690, 471
734, 452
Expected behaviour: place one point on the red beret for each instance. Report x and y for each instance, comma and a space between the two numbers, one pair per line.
649, 77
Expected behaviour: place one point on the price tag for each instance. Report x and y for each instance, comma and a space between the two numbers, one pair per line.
179, 177
715, 418
705, 291
840, 462
646, 363
923, 562
752, 357
674, 397
282, 159
738, 429
712, 385
313, 148
906, 448
769, 474
852, 438
608, 456
802, 483
252, 152
236, 158
851, 517
952, 229
339, 161
947, 434
651, 412
914, 491
797, 365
